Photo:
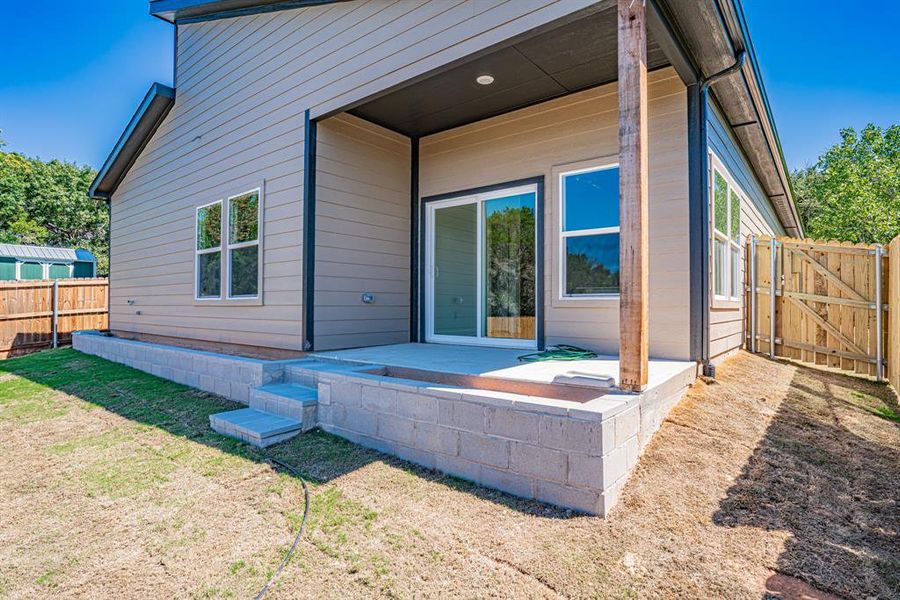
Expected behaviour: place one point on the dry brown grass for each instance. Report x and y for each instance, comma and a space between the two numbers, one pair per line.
776, 480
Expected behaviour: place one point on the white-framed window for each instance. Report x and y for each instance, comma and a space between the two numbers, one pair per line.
589, 232
244, 216
208, 249
228, 250
727, 249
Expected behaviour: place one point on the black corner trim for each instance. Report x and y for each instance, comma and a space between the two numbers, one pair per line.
309, 232
414, 240
539, 267
698, 219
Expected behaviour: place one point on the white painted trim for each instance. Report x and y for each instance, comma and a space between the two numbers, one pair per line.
198, 252
479, 199
257, 242
562, 235
716, 164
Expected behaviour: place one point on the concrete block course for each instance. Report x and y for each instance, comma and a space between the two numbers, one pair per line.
627, 424
507, 481
615, 466
396, 429
585, 471
347, 393
462, 415
380, 399
458, 467
584, 499
512, 424
228, 376
564, 433
485, 449
434, 438
536, 461
416, 406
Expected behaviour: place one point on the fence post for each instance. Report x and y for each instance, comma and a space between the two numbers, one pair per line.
773, 248
879, 317
55, 313
752, 303
893, 348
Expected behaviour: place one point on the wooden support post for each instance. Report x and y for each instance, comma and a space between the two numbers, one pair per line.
633, 165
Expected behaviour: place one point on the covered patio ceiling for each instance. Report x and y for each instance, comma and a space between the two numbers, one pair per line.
567, 57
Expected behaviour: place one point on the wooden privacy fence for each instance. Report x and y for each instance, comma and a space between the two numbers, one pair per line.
826, 303
520, 328
43, 314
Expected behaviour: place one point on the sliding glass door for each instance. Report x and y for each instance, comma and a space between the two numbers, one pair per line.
481, 265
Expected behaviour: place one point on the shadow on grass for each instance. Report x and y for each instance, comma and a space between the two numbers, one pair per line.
183, 411
827, 471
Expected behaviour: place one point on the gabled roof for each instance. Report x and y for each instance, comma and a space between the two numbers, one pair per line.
184, 11
48, 253
134, 139
714, 33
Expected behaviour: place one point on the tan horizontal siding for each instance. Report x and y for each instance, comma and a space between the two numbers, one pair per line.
244, 84
362, 208
582, 126
727, 325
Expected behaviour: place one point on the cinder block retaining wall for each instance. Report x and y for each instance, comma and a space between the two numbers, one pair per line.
572, 455
577, 457
228, 376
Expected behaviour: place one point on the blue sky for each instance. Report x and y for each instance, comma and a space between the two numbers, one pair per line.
75, 77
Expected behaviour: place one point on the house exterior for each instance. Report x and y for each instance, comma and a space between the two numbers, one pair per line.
477, 174
339, 127
27, 263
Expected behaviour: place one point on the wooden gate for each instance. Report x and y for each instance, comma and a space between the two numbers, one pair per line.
823, 303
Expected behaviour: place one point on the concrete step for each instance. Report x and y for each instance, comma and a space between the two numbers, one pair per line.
287, 400
255, 427
306, 372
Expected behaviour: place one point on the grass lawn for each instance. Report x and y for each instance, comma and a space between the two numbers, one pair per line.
776, 480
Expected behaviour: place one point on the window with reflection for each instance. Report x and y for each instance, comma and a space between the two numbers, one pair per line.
589, 235
726, 242
209, 251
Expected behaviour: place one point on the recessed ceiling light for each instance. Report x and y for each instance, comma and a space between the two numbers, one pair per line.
485, 79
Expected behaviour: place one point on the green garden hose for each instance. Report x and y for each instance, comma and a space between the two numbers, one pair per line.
560, 352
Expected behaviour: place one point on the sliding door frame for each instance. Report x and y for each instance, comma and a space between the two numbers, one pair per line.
425, 259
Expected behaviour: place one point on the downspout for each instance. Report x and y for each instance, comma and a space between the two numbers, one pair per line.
699, 182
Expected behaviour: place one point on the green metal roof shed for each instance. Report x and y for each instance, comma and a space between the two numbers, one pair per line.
24, 263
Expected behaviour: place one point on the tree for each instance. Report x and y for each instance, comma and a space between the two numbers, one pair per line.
853, 192
46, 203
510, 237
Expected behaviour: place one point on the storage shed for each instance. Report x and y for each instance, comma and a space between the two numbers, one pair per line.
24, 263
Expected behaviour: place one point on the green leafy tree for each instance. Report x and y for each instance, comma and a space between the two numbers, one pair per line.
511, 262
46, 203
853, 192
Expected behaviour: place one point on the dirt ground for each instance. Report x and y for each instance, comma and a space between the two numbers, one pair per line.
776, 481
